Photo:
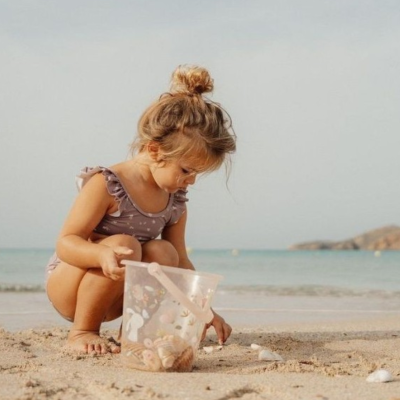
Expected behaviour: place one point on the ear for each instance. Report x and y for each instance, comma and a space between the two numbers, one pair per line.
153, 149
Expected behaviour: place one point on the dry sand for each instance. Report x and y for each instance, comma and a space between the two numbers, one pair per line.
326, 355
321, 361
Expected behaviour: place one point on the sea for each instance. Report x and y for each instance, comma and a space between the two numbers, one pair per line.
257, 285
268, 272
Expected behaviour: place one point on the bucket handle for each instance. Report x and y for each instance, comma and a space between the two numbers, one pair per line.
155, 270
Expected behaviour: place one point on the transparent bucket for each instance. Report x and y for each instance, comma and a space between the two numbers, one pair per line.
164, 314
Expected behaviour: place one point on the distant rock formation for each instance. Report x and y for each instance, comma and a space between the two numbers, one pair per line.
386, 238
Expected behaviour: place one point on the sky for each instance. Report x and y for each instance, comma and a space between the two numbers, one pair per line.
312, 87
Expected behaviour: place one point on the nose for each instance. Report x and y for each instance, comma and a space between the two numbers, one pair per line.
191, 179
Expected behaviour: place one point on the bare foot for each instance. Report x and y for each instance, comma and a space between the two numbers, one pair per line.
89, 342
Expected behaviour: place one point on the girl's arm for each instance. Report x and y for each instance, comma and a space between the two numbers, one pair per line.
73, 245
175, 234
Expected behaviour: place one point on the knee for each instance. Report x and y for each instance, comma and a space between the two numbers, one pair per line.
160, 251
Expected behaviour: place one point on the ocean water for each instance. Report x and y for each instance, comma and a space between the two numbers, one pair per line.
263, 272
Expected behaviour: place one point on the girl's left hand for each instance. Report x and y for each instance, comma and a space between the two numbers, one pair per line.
222, 329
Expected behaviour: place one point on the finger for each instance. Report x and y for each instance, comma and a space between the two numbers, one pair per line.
219, 330
227, 332
122, 250
115, 275
118, 275
223, 331
221, 336
206, 326
203, 335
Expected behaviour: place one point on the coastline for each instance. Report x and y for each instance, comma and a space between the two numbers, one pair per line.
328, 353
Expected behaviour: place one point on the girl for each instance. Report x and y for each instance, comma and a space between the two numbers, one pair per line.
137, 209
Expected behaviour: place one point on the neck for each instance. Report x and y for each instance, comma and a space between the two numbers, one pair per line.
142, 166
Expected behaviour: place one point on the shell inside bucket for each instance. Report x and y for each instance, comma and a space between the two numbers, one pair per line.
158, 332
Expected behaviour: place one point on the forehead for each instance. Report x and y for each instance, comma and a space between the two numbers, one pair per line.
192, 163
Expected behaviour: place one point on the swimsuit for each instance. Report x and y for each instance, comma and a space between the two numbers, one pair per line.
129, 219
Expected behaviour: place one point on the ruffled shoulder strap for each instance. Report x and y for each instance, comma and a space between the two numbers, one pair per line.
86, 173
178, 206
180, 196
114, 186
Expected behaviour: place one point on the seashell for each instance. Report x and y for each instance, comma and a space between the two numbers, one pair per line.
174, 344
380, 376
134, 349
184, 362
267, 355
255, 346
141, 357
208, 349
167, 358
151, 360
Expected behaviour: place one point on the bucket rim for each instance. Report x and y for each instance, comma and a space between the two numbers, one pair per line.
173, 270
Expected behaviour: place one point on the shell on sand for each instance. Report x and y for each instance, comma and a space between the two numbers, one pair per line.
267, 355
208, 349
184, 362
380, 376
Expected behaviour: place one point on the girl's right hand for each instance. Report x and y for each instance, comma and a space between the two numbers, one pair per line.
110, 258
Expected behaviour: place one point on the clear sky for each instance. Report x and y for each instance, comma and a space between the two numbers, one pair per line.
312, 86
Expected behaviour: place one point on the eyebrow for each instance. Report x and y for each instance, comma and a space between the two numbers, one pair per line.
191, 170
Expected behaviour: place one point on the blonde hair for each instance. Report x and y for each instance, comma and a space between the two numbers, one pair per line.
186, 124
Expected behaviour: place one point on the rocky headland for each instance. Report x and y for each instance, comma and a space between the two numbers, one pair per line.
385, 238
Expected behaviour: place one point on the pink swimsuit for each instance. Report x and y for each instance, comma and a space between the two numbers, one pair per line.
129, 219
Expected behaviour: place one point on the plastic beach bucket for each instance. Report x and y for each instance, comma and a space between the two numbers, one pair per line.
164, 314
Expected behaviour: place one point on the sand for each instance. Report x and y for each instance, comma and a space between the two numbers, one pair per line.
324, 358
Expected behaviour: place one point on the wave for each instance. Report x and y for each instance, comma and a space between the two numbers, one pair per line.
17, 287
258, 290
307, 290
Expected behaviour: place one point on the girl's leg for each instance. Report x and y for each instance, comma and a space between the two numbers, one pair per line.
88, 298
160, 251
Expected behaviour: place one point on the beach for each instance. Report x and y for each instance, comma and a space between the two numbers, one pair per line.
327, 354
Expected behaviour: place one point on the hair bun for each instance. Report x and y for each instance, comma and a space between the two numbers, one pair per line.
191, 80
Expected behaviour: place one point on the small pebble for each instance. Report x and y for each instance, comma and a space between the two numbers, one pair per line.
255, 346
31, 383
